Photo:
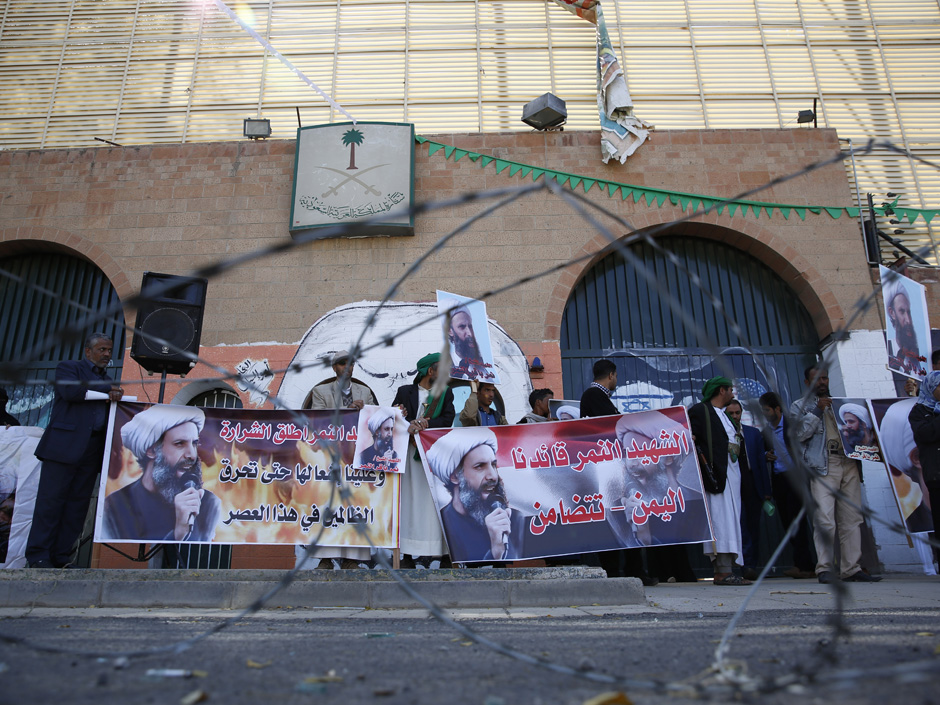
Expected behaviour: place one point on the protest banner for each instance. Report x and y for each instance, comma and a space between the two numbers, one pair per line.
907, 326
183, 474
856, 428
468, 333
902, 461
556, 488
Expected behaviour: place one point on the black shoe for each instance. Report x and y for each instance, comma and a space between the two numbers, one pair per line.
862, 577
750, 574
825, 577
43, 563
649, 580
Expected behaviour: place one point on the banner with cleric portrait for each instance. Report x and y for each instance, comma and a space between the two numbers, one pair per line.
469, 336
186, 474
382, 440
856, 428
901, 458
907, 325
563, 487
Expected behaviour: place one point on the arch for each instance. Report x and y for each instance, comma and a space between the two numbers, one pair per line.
195, 389
795, 271
28, 239
664, 353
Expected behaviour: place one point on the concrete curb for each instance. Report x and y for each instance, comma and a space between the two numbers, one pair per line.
530, 587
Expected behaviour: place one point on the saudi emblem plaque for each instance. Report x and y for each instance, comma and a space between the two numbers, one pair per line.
347, 173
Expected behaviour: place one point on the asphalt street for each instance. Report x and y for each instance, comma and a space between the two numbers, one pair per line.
399, 656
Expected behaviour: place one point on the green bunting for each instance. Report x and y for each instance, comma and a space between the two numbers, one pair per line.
659, 196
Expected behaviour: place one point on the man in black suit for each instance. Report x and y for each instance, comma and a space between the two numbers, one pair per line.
71, 450
596, 399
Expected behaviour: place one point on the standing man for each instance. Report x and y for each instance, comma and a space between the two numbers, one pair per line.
821, 448
71, 451
721, 444
420, 534
479, 409
755, 488
786, 496
596, 398
342, 393
538, 400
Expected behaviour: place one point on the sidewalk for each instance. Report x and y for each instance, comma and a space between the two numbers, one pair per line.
576, 588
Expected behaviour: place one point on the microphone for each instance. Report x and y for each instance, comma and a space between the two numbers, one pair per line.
191, 481
498, 501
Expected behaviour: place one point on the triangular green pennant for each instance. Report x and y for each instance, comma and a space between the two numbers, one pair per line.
625, 193
720, 208
769, 210
684, 201
536, 173
852, 212
732, 209
501, 165
928, 215
912, 215
420, 140
612, 188
562, 179
588, 183
574, 181
448, 150
674, 199
814, 209
473, 156
434, 148
525, 171
834, 212
514, 169
707, 204
459, 154
785, 211
801, 212
660, 199
485, 160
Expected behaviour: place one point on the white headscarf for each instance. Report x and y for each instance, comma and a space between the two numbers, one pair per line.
379, 417
892, 289
856, 410
146, 429
897, 438
447, 454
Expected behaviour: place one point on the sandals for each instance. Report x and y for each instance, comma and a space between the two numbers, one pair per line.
732, 579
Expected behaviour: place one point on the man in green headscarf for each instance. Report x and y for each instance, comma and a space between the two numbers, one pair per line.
419, 530
719, 444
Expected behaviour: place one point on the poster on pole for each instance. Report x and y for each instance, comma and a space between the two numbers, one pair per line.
907, 326
176, 473
556, 488
856, 428
902, 461
471, 353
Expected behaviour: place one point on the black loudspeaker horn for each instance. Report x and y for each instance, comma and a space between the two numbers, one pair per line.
173, 314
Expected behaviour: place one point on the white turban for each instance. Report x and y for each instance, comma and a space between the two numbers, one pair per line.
447, 454
146, 429
897, 438
379, 417
856, 410
572, 411
892, 289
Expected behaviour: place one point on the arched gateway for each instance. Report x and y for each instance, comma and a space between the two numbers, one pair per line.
614, 312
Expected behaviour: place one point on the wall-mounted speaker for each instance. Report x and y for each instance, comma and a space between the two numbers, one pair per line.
172, 311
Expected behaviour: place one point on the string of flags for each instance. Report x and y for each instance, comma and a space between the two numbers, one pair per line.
659, 197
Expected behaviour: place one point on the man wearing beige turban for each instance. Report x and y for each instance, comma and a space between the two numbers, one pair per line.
168, 502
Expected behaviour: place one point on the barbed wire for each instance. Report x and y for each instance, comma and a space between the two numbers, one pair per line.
721, 676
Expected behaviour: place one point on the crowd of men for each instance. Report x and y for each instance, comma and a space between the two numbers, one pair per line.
796, 460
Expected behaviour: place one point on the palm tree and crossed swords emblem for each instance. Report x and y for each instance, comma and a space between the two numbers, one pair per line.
351, 138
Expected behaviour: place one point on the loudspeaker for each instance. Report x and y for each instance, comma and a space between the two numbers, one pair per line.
174, 315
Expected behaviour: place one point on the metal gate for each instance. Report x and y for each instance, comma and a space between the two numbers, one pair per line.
29, 319
613, 313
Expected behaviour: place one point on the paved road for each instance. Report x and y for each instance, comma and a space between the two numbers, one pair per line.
396, 656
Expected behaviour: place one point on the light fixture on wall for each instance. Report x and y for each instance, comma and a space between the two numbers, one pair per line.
806, 116
257, 128
545, 112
